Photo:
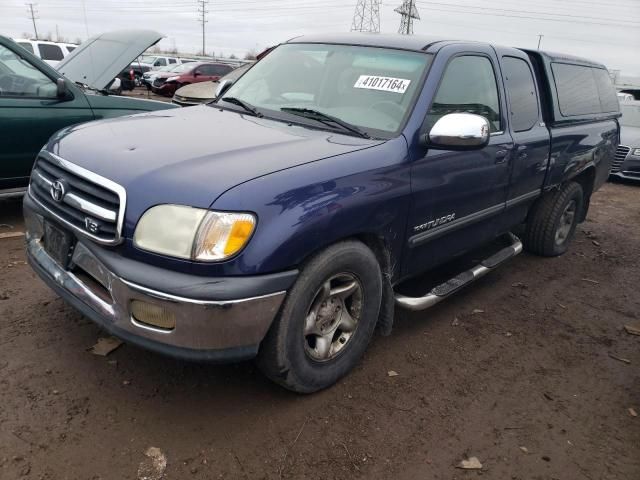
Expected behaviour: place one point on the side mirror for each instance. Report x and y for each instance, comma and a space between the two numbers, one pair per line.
61, 88
458, 131
196, 74
223, 87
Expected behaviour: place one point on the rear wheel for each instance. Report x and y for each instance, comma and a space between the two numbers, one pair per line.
326, 321
553, 220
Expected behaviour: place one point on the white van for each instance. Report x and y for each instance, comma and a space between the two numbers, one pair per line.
50, 52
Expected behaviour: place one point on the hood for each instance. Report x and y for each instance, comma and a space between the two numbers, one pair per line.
163, 74
630, 136
101, 58
190, 156
200, 91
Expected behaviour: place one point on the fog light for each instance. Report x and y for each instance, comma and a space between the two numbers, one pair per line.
153, 315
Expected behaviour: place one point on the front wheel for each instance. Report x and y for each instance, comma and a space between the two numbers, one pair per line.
552, 221
326, 321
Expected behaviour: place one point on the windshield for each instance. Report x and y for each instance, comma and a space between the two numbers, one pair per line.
147, 59
181, 68
371, 88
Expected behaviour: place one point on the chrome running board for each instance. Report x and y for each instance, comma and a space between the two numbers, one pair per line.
444, 290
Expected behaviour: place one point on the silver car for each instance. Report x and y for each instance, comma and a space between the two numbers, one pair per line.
627, 160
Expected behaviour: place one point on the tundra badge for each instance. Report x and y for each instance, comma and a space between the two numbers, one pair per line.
434, 223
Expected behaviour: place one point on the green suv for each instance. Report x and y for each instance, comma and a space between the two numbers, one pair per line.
37, 100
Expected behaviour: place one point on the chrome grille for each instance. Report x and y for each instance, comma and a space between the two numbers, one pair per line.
89, 204
619, 158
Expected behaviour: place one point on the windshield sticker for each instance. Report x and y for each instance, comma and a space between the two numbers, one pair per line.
386, 84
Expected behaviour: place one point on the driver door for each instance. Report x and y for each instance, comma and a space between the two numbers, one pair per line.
457, 195
30, 112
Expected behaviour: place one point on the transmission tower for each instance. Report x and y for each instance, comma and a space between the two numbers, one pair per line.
202, 18
366, 18
32, 13
408, 12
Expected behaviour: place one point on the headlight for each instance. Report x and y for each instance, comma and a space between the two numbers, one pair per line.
635, 152
193, 233
172, 79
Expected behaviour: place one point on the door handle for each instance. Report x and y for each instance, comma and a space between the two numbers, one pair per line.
501, 156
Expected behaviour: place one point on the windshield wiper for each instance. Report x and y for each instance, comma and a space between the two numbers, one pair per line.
325, 118
244, 105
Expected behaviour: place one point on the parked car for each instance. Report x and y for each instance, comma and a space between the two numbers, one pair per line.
281, 220
36, 100
627, 161
50, 52
149, 77
166, 83
205, 92
623, 97
146, 63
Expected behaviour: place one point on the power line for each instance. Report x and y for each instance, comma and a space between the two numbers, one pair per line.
492, 14
484, 7
33, 14
408, 12
202, 18
366, 18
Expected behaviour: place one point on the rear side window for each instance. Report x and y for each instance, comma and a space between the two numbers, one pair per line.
221, 70
50, 52
608, 97
27, 46
583, 90
468, 85
206, 70
522, 93
172, 60
70, 48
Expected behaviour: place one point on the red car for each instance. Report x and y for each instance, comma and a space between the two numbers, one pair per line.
166, 83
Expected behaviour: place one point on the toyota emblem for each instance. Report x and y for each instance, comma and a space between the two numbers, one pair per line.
57, 190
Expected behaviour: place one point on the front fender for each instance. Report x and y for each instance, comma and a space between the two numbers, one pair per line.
306, 208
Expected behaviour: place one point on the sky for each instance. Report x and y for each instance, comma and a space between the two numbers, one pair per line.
608, 32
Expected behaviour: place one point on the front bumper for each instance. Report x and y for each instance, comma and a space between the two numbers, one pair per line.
205, 329
626, 165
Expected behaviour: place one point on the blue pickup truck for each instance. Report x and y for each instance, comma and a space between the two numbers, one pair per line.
281, 221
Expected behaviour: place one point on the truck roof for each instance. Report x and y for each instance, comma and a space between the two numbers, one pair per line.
385, 40
419, 43
564, 58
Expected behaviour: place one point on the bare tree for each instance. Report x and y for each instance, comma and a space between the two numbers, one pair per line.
251, 55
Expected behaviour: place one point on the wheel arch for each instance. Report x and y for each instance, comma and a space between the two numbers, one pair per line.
586, 179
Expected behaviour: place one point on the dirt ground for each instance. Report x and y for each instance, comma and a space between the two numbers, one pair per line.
529, 386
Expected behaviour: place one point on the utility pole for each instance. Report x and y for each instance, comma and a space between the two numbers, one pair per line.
33, 14
539, 40
408, 12
366, 18
202, 18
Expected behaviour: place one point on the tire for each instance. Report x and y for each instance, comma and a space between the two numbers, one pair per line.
294, 353
552, 221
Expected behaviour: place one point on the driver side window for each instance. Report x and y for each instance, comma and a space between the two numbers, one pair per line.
18, 78
468, 85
